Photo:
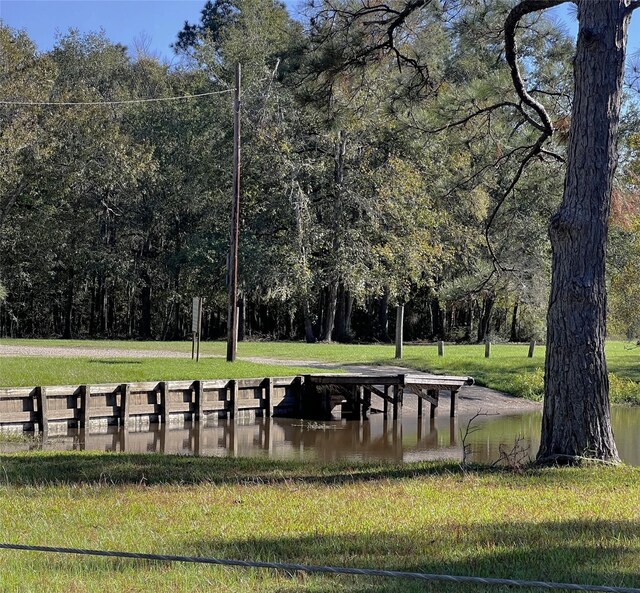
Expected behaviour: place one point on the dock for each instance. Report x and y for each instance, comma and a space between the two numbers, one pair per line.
354, 393
162, 402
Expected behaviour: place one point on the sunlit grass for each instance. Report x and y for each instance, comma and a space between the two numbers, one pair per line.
508, 369
572, 525
32, 370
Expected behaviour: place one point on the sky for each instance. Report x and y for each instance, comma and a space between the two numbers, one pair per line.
123, 21
156, 21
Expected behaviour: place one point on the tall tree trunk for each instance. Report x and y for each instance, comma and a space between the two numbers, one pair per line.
145, 305
383, 316
485, 316
308, 323
68, 312
436, 318
513, 335
341, 319
576, 420
329, 316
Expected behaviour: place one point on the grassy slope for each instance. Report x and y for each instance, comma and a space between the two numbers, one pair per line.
507, 370
29, 370
575, 525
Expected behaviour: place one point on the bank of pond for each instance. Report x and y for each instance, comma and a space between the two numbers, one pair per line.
488, 438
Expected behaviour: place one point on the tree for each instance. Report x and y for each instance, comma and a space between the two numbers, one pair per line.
576, 419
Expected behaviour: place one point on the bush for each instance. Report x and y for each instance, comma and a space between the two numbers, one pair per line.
623, 391
529, 385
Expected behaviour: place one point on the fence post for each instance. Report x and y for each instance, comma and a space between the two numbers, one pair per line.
125, 404
440, 348
399, 328
85, 399
43, 414
532, 347
487, 349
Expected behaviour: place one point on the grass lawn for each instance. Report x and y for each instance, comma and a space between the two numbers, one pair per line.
16, 371
507, 370
571, 525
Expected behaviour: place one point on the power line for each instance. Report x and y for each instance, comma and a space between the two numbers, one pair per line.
99, 103
446, 578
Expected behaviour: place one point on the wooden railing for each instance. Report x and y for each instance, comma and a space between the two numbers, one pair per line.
78, 405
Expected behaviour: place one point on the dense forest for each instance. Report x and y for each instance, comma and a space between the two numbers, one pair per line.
368, 179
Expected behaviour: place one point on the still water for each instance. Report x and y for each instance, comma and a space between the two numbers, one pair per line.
374, 439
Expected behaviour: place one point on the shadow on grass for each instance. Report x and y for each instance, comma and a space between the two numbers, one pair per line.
572, 551
74, 467
42, 468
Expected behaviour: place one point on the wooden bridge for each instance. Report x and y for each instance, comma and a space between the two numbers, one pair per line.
354, 393
309, 396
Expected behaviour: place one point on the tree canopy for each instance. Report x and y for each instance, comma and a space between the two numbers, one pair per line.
409, 153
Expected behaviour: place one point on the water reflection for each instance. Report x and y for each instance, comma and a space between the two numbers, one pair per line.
408, 439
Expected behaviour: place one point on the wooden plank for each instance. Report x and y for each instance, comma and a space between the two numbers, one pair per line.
85, 404
453, 412
211, 385
435, 380
43, 416
144, 410
399, 327
18, 393
181, 408
181, 385
397, 403
285, 381
354, 379
232, 387
249, 383
20, 417
138, 387
125, 404
165, 406
387, 400
268, 397
431, 395
433, 403
199, 395
214, 406
64, 414
62, 390
104, 412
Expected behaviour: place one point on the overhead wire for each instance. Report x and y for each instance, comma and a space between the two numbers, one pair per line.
110, 103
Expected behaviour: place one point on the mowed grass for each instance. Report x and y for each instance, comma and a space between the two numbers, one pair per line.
570, 525
26, 371
508, 369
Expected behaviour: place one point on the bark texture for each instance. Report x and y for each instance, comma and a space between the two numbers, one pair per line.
576, 420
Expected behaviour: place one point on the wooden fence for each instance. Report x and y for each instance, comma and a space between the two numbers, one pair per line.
123, 404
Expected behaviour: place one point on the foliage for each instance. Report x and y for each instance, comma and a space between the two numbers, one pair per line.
358, 192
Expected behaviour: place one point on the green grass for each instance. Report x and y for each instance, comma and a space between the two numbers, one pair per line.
573, 525
507, 370
16, 371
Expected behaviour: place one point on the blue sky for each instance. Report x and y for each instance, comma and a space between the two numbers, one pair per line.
159, 21
123, 21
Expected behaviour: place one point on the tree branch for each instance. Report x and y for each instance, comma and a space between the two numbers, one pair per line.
635, 4
517, 13
511, 54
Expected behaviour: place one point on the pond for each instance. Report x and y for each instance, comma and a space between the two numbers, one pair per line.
371, 440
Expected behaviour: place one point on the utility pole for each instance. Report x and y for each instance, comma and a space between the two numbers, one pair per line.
232, 326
